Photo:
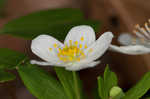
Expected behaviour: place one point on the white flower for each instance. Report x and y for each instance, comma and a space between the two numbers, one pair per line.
139, 43
79, 51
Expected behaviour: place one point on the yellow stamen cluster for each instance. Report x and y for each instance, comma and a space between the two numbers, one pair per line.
50, 49
70, 53
55, 45
82, 38
143, 33
85, 46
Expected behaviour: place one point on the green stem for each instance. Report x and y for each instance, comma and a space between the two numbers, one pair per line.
77, 89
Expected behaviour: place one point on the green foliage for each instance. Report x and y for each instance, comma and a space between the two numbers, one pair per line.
77, 85
71, 83
9, 59
106, 83
116, 93
140, 88
6, 76
66, 79
55, 22
40, 83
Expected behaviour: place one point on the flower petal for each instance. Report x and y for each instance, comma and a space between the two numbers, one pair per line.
130, 50
125, 39
83, 34
94, 63
128, 39
46, 47
77, 67
98, 48
42, 63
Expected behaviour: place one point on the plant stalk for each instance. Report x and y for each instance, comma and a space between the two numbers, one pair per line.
77, 89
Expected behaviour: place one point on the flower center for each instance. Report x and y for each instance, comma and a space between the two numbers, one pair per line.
71, 53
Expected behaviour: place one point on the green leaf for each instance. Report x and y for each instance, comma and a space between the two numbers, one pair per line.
56, 22
71, 83
106, 83
66, 79
101, 90
6, 76
9, 59
41, 84
110, 79
140, 88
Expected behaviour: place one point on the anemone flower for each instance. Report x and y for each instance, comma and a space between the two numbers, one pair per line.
138, 43
80, 49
